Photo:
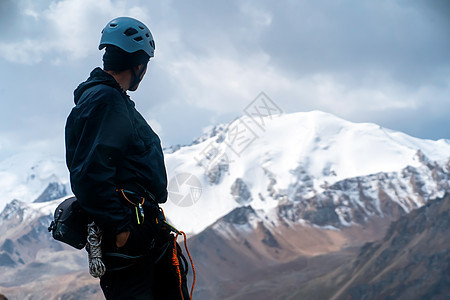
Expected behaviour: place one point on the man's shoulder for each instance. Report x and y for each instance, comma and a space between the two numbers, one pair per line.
103, 89
102, 93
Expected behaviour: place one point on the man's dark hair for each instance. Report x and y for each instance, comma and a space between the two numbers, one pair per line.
118, 60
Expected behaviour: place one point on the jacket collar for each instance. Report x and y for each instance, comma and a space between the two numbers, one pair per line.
97, 76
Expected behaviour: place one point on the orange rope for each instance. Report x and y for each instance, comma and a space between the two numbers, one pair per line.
175, 260
192, 263
176, 263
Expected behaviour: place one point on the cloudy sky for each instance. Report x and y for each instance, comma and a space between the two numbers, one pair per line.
386, 62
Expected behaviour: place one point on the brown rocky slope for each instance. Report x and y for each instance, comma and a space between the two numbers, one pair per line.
412, 261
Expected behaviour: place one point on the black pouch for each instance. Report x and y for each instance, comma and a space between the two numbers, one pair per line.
70, 223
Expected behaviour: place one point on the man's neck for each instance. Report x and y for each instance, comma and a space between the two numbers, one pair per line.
123, 78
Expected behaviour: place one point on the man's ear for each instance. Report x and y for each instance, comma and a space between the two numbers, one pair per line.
139, 68
136, 69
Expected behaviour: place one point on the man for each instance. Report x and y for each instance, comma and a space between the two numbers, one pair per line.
117, 169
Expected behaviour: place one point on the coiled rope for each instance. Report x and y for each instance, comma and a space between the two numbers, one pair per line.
93, 247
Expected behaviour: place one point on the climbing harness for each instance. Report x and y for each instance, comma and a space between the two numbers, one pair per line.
94, 240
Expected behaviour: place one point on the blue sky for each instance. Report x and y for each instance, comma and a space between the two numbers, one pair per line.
386, 62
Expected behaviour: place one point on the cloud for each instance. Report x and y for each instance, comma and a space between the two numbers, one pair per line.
356, 37
356, 59
378, 61
60, 30
223, 85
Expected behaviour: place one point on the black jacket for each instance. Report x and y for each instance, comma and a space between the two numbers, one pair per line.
109, 145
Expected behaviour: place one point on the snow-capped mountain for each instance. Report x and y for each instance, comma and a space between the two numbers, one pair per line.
256, 192
299, 167
303, 184
303, 167
32, 176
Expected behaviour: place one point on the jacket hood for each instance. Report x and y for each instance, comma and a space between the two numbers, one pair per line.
97, 76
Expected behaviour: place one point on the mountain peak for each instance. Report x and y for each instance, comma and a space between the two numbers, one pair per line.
263, 161
25, 176
14, 208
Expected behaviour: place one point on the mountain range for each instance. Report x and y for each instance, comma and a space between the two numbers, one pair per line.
259, 196
411, 261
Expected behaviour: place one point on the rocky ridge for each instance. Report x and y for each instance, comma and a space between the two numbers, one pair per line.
411, 261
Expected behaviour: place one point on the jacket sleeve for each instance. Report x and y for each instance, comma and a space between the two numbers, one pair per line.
103, 129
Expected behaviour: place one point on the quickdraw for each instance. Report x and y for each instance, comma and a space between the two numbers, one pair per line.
137, 204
